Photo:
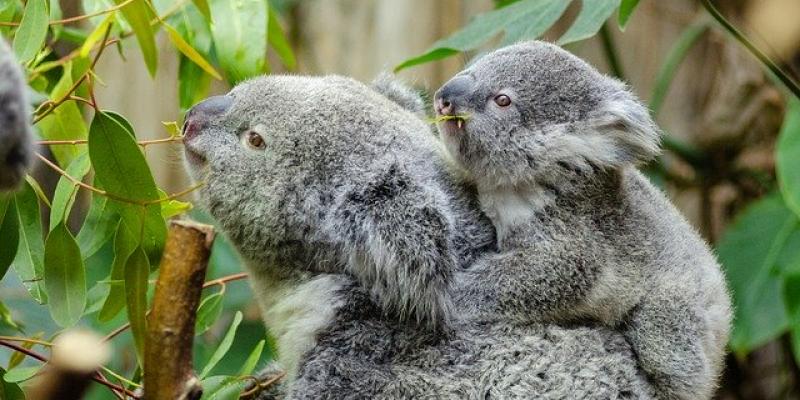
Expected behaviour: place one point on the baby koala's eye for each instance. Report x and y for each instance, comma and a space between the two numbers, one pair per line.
254, 140
502, 100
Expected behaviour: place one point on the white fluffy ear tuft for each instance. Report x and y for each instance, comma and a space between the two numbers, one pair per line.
395, 90
626, 129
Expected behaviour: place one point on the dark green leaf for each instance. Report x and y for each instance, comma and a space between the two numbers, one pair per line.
98, 227
788, 156
625, 11
29, 262
193, 83
187, 50
9, 391
65, 193
592, 16
9, 233
240, 37
21, 374
208, 313
137, 269
32, 30
277, 39
224, 345
252, 360
64, 276
222, 388
749, 251
137, 14
202, 5
124, 245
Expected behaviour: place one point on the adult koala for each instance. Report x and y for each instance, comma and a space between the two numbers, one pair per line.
354, 233
15, 130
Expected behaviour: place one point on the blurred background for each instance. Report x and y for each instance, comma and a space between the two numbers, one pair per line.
723, 110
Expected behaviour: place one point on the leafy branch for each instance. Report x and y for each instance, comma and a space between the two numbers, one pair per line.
79, 17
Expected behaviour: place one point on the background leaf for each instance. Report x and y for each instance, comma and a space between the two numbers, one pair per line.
32, 30
592, 16
138, 15
224, 345
65, 122
64, 195
240, 37
137, 268
625, 12
29, 261
64, 277
788, 156
208, 312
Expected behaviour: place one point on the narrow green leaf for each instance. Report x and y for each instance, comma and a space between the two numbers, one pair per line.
64, 277
240, 37
137, 13
7, 320
202, 5
98, 227
222, 387
788, 156
97, 34
749, 250
208, 312
224, 345
252, 360
32, 30
29, 262
9, 233
593, 15
137, 269
124, 245
675, 57
625, 11
187, 50
277, 39
64, 195
38, 190
65, 122
9, 391
193, 83
539, 17
21, 374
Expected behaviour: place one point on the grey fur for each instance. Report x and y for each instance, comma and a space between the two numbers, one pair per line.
16, 148
583, 235
349, 220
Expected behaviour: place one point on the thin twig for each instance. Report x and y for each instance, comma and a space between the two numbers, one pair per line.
74, 142
78, 17
26, 340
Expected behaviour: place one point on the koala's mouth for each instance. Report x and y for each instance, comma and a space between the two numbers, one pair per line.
452, 123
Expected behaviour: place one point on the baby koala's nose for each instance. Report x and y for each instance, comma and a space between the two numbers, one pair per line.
204, 111
453, 95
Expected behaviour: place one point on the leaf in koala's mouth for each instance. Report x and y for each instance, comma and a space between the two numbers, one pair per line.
459, 119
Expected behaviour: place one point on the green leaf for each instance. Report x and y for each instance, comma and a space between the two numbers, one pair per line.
187, 50
9, 233
277, 39
193, 83
592, 16
252, 360
137, 13
749, 251
97, 34
29, 263
32, 30
202, 5
240, 37
222, 387
6, 319
208, 313
625, 11
37, 189
9, 391
64, 195
21, 374
224, 345
124, 245
788, 156
137, 269
65, 122
64, 277
122, 170
98, 227
523, 20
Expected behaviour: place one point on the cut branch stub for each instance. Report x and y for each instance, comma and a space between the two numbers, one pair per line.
168, 372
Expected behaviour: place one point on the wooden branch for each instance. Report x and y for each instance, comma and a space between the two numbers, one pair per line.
168, 372
77, 355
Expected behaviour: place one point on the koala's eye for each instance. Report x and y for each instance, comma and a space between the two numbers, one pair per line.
254, 140
502, 100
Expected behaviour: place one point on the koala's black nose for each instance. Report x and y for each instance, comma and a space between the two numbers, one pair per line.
202, 112
453, 95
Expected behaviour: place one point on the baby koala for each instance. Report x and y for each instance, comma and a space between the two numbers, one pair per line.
552, 146
16, 145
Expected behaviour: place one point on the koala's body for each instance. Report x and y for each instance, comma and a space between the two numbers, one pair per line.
354, 233
16, 151
552, 146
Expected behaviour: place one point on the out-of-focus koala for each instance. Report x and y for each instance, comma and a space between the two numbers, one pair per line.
343, 207
552, 146
16, 151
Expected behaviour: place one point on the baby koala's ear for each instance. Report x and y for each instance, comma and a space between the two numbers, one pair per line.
397, 91
624, 132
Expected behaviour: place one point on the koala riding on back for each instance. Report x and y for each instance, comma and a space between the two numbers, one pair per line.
552, 146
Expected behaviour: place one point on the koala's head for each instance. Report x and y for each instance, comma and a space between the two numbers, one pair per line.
532, 112
16, 151
276, 151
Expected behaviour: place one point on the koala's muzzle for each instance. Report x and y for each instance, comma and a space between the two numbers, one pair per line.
451, 98
203, 112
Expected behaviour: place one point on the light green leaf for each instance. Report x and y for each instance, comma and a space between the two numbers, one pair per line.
224, 345
9, 233
208, 312
21, 374
124, 245
788, 156
65, 192
7, 320
193, 83
98, 226
138, 15
137, 269
32, 30
592, 16
240, 37
202, 5
97, 34
29, 262
222, 387
749, 251
64, 277
278, 42
187, 50
252, 360
38, 190
65, 122
625, 11
9, 391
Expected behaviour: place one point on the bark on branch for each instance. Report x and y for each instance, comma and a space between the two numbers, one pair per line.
168, 372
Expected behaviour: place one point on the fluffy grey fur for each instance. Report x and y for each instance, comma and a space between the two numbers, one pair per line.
349, 221
15, 131
582, 234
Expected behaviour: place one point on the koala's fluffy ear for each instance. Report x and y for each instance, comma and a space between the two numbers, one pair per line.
396, 91
622, 132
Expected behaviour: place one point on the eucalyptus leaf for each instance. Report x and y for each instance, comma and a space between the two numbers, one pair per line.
278, 41
29, 261
65, 122
137, 268
240, 37
224, 345
66, 191
625, 11
9, 391
9, 233
222, 387
64, 277
21, 374
138, 15
593, 15
124, 245
98, 226
32, 30
208, 312
788, 156
252, 359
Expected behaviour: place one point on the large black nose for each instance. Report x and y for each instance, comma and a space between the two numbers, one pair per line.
454, 95
202, 112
